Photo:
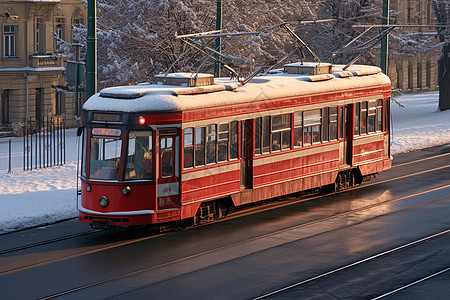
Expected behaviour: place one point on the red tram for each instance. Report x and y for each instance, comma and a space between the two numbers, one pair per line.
190, 145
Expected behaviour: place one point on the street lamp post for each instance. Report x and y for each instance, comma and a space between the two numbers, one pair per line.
91, 59
385, 41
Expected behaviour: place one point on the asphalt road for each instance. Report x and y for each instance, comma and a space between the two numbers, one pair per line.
322, 247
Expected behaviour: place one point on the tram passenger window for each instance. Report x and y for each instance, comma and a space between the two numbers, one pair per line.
312, 122
325, 124
200, 146
258, 136
333, 123
380, 115
105, 158
222, 143
281, 132
234, 140
356, 119
211, 138
363, 117
139, 156
266, 134
188, 148
166, 157
372, 115
387, 114
298, 132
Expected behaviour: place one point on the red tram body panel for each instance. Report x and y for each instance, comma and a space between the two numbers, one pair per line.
156, 153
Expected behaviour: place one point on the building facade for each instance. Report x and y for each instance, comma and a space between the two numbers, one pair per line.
415, 71
31, 75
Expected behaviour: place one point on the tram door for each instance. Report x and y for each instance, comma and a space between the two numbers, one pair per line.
345, 136
168, 183
246, 154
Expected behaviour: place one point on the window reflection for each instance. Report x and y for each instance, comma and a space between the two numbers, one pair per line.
140, 156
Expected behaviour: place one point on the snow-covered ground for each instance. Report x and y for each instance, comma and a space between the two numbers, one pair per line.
42, 196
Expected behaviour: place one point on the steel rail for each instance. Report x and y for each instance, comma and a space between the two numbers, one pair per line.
46, 242
396, 249
411, 284
98, 283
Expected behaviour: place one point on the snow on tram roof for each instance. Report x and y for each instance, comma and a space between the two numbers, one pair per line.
161, 98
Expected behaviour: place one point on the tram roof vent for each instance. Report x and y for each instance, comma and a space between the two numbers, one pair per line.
308, 68
185, 79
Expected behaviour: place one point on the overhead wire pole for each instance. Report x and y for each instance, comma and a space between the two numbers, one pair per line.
91, 60
218, 39
385, 41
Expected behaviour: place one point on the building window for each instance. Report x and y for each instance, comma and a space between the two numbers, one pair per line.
60, 103
5, 106
39, 35
9, 41
428, 74
419, 75
59, 28
75, 23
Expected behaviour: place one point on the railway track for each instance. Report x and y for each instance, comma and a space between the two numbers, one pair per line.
362, 261
239, 213
248, 247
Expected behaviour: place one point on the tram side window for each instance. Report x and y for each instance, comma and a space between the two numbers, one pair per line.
222, 142
234, 140
140, 156
357, 117
312, 126
281, 132
105, 157
387, 114
372, 112
211, 138
363, 121
325, 124
266, 134
333, 123
167, 157
188, 148
258, 136
200, 146
262, 135
298, 129
380, 115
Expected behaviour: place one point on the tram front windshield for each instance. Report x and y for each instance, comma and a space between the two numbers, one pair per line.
105, 157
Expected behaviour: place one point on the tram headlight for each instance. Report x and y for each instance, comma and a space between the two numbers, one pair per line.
103, 201
142, 120
126, 190
88, 188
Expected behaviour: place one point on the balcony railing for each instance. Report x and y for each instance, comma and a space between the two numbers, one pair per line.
45, 61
